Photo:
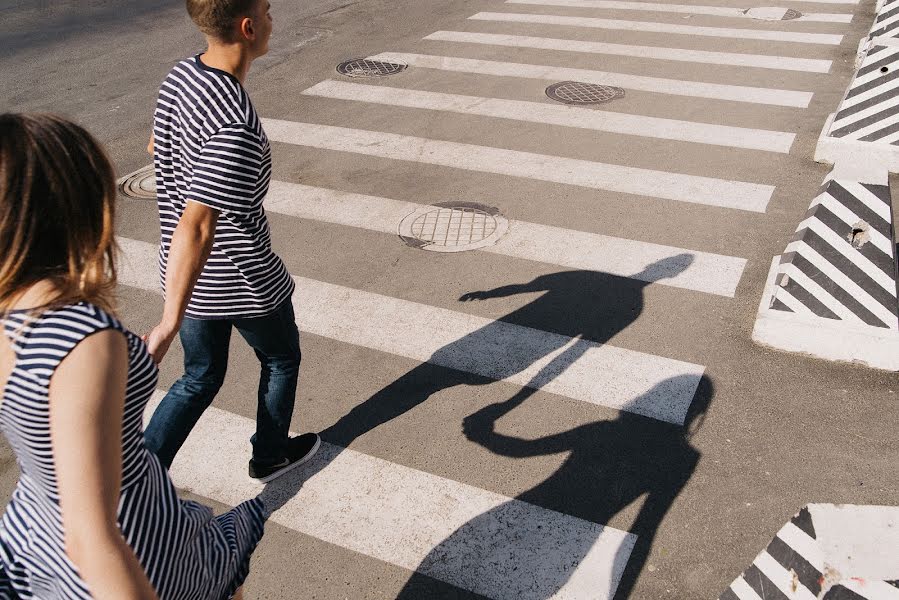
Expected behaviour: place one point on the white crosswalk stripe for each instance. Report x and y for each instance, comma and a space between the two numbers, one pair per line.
583, 370
711, 273
566, 116
717, 11
696, 89
759, 61
399, 515
629, 180
653, 27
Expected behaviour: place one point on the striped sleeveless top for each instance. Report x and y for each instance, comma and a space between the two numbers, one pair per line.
174, 540
210, 148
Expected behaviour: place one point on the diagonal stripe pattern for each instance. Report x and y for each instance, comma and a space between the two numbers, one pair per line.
870, 110
887, 22
841, 262
819, 554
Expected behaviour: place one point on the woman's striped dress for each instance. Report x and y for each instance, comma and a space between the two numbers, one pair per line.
186, 552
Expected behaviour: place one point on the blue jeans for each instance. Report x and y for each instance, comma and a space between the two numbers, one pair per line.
276, 341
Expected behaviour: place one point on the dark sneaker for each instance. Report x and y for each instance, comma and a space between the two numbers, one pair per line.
299, 450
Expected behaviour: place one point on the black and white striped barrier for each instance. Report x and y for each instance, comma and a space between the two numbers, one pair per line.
827, 552
833, 293
866, 124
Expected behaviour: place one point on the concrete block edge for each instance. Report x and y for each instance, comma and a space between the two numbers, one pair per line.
823, 338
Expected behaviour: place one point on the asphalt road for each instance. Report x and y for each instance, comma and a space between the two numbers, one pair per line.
767, 432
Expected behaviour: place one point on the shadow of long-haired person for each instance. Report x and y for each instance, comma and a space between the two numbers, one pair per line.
610, 465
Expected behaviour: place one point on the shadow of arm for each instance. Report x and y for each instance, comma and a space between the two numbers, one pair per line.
479, 428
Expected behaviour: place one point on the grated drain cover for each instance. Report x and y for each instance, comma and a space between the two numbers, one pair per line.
363, 67
140, 184
772, 13
577, 92
453, 227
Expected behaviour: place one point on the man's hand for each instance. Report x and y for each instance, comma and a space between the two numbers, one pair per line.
474, 296
159, 340
150, 144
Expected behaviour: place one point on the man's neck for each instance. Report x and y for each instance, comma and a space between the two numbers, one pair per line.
230, 58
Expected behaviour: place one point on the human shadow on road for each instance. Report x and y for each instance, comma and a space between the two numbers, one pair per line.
578, 309
610, 465
588, 305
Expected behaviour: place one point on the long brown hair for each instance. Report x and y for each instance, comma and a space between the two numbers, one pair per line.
57, 211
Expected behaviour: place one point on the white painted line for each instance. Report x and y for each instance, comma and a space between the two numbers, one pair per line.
556, 169
716, 11
792, 303
652, 27
696, 89
889, 86
604, 375
857, 258
499, 547
842, 280
800, 542
781, 578
880, 241
760, 61
820, 294
566, 116
865, 196
743, 590
710, 273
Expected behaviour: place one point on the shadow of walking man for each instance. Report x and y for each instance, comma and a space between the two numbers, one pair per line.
610, 465
586, 304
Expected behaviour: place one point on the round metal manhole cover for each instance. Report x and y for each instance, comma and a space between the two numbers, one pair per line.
363, 67
453, 227
140, 184
772, 13
578, 92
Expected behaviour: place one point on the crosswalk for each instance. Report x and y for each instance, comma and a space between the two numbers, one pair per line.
469, 537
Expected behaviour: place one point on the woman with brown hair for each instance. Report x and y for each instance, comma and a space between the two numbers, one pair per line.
94, 513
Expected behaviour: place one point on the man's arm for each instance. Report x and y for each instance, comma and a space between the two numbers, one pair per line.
188, 253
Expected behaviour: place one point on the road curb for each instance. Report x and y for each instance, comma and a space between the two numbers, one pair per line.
827, 551
833, 293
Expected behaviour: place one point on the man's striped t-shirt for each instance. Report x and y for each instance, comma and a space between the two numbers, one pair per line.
210, 148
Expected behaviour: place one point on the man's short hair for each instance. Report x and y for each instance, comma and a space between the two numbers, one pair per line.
216, 18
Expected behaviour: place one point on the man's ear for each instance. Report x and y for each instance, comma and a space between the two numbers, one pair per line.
246, 29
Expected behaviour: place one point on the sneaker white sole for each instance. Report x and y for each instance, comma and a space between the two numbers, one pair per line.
293, 465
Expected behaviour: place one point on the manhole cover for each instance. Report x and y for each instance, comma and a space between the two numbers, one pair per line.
577, 92
772, 13
362, 67
140, 184
453, 227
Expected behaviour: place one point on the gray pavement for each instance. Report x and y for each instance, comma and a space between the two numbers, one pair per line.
780, 431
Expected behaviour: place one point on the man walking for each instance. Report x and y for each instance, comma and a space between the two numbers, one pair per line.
218, 271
